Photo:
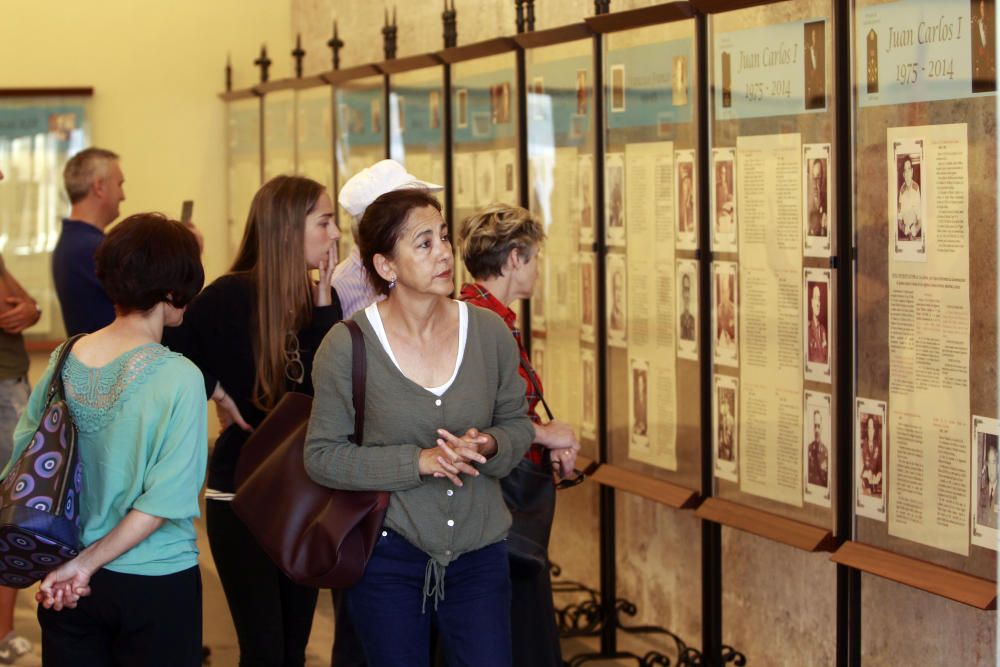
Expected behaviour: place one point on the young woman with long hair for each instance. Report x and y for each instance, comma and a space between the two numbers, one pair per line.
255, 331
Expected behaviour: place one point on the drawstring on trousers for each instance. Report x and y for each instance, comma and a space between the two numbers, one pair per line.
434, 571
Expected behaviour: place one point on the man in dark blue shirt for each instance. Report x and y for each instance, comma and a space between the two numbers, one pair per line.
94, 181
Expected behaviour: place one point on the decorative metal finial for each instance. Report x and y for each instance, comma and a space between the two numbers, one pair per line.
450, 20
519, 16
389, 34
229, 72
263, 62
298, 53
336, 44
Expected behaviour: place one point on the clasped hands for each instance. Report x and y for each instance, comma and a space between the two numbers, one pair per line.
455, 455
63, 587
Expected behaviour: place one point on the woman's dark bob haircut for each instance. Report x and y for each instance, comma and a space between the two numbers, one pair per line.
382, 225
146, 259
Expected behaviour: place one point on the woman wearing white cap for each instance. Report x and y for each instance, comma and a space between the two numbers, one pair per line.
350, 279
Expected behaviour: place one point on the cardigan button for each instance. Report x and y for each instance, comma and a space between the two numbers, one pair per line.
437, 402
451, 522
451, 492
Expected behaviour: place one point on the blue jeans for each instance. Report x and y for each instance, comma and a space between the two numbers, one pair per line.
394, 623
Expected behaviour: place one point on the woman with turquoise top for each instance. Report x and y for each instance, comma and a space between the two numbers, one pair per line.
133, 595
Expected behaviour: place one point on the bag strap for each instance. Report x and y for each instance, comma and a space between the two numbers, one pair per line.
359, 375
530, 372
56, 382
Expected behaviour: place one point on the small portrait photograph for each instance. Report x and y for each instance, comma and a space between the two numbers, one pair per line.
376, 116
464, 184
481, 125
724, 313
871, 440
61, 125
816, 205
871, 60
687, 309
985, 502
581, 92
814, 62
356, 121
724, 200
725, 425
617, 88
685, 203
638, 403
817, 453
727, 79
816, 353
588, 427
909, 202
434, 105
500, 103
485, 166
984, 55
462, 107
535, 93
616, 296
506, 174
679, 82
615, 196
585, 196
541, 294
587, 300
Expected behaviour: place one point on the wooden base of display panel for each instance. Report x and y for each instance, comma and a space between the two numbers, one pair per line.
638, 18
656, 490
948, 583
764, 524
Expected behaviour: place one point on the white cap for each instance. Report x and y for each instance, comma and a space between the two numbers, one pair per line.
372, 182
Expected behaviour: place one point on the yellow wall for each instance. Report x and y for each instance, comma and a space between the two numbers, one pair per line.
156, 67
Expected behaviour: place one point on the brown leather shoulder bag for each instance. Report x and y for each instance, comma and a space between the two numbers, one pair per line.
316, 535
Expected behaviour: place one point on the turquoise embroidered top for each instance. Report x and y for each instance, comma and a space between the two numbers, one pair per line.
143, 443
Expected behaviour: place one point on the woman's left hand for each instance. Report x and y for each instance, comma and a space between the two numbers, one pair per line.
323, 290
482, 444
63, 587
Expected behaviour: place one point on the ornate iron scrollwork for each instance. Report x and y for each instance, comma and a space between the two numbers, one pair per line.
583, 618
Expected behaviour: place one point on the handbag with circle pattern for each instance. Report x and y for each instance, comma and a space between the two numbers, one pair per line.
40, 497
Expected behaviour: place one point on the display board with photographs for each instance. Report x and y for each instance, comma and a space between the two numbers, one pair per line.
314, 136
416, 123
925, 211
772, 226
37, 136
484, 138
361, 123
280, 134
651, 266
243, 157
561, 135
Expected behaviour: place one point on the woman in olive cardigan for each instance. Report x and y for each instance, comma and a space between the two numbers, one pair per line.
445, 420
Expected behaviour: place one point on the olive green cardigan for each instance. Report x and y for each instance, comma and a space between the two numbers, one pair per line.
401, 419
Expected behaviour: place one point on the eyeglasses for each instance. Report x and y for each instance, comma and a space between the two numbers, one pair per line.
295, 371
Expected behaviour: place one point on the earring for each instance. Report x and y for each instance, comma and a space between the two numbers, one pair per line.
392, 283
